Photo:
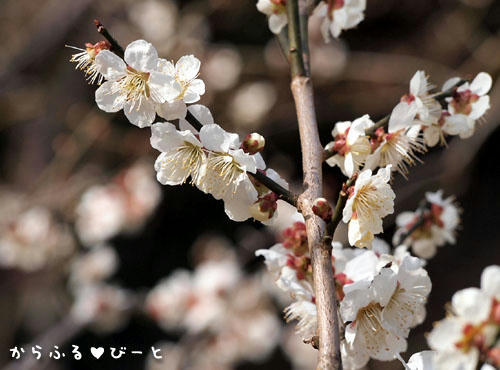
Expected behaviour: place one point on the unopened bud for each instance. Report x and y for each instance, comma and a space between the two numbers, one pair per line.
94, 49
253, 143
265, 207
322, 208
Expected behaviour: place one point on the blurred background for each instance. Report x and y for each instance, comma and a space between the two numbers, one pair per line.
88, 237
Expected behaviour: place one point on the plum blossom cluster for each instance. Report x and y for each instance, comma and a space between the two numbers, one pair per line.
142, 84
98, 304
128, 200
464, 104
227, 310
468, 336
420, 120
215, 161
432, 225
382, 296
336, 15
33, 239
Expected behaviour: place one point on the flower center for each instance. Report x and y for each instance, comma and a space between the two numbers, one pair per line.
134, 86
227, 171
463, 100
188, 158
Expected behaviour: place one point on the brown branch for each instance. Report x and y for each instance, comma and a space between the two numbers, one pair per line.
324, 284
115, 46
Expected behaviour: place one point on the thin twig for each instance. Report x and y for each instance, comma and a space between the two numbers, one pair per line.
324, 284
421, 210
115, 47
337, 213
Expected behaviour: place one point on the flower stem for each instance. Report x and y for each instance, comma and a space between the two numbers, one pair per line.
115, 47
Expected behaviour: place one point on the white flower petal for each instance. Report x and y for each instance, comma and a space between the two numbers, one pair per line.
142, 56
481, 84
110, 65
141, 115
215, 138
163, 87
170, 111
108, 101
187, 67
277, 22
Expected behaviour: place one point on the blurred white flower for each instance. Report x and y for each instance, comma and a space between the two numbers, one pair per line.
33, 239
370, 199
223, 68
260, 96
170, 299
100, 214
303, 356
94, 266
276, 12
137, 85
432, 227
350, 145
339, 15
103, 307
468, 103
157, 20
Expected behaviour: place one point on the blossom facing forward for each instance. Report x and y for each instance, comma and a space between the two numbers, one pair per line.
370, 199
429, 228
350, 144
469, 332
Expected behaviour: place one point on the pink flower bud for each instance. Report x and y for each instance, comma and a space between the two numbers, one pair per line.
322, 208
253, 143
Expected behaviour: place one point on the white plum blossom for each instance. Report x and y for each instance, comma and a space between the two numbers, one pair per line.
339, 15
370, 199
185, 72
104, 307
468, 104
417, 106
85, 60
226, 174
379, 311
170, 299
431, 227
350, 145
33, 239
182, 155
136, 85
276, 12
470, 331
100, 214
400, 144
93, 266
124, 204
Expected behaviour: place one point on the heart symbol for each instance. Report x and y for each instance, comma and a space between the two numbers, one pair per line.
97, 352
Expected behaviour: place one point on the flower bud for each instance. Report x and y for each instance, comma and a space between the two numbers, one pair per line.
263, 209
322, 208
253, 143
